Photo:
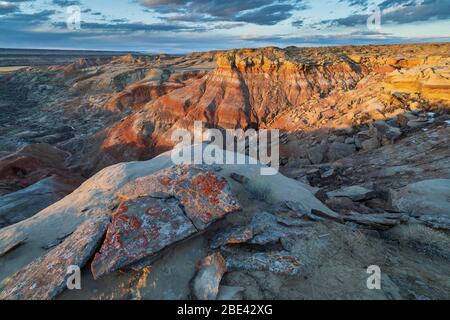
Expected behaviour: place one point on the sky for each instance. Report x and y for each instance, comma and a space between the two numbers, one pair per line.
181, 26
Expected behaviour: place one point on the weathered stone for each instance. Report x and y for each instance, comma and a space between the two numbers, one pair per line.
45, 277
141, 228
356, 193
204, 195
370, 144
415, 124
25, 203
350, 140
206, 282
404, 118
317, 154
386, 131
12, 245
428, 197
298, 207
232, 236
276, 262
338, 150
436, 222
265, 228
230, 293
239, 178
380, 221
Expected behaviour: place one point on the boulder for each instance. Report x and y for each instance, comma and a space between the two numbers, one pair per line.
419, 123
404, 118
386, 132
428, 197
205, 285
370, 144
205, 196
140, 229
338, 150
45, 277
265, 228
316, 154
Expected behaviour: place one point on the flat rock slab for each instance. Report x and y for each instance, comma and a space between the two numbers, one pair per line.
207, 280
205, 196
356, 193
45, 277
265, 228
381, 221
141, 228
276, 262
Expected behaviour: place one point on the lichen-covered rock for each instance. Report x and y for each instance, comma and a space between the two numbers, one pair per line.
205, 196
141, 228
46, 277
277, 262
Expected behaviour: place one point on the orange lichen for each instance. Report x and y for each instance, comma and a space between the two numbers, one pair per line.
210, 186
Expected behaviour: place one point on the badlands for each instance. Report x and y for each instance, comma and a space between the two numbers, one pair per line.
86, 177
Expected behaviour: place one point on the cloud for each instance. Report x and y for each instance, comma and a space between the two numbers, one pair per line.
21, 21
261, 12
66, 3
298, 23
349, 38
7, 7
400, 12
356, 3
122, 26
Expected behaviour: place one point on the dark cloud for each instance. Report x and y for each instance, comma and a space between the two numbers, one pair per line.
66, 3
6, 8
121, 26
298, 23
400, 12
356, 3
262, 12
19, 21
269, 15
